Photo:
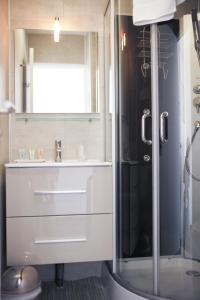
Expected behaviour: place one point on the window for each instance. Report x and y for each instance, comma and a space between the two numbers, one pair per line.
61, 88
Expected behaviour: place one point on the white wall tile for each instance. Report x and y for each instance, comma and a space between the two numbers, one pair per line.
42, 134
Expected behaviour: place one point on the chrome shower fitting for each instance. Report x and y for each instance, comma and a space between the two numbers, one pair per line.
196, 89
197, 124
196, 100
196, 32
196, 103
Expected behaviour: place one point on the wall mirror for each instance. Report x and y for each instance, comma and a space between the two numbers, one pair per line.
55, 77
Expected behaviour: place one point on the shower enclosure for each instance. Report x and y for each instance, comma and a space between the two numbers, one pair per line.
157, 165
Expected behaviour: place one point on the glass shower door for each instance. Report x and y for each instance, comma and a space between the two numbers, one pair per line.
179, 270
170, 139
134, 163
158, 238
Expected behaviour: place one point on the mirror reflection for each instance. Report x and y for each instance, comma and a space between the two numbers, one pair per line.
56, 77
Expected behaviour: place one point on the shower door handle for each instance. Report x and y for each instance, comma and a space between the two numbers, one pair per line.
146, 114
164, 127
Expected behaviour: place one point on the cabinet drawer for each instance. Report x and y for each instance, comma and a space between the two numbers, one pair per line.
58, 191
49, 240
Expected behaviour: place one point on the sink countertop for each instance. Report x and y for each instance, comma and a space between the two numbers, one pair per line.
64, 163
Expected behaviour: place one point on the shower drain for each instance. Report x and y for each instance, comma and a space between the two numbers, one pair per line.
193, 273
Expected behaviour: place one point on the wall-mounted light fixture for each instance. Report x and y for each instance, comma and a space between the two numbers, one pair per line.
56, 30
123, 40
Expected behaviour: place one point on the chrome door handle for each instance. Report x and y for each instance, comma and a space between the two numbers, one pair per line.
146, 114
60, 241
70, 192
164, 127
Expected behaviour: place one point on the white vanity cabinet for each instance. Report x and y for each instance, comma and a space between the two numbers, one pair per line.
58, 213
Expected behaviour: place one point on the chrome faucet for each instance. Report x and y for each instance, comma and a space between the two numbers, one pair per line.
58, 151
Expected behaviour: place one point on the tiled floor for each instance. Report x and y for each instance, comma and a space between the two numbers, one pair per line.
84, 289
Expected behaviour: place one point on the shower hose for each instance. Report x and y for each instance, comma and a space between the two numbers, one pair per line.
187, 167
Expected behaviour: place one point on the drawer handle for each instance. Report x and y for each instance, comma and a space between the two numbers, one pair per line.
59, 192
39, 242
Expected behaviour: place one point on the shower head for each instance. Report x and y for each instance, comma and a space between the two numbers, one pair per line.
196, 32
